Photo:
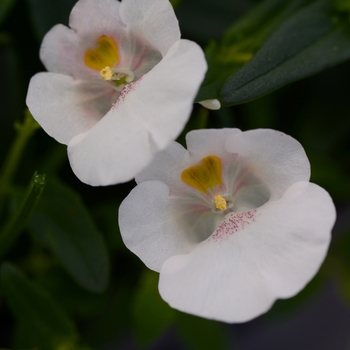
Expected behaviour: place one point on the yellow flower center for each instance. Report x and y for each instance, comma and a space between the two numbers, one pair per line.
106, 73
220, 203
204, 176
105, 55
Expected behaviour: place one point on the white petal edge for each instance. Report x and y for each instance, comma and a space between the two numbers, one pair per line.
205, 142
277, 159
143, 121
166, 166
66, 107
273, 257
153, 20
60, 50
91, 16
149, 226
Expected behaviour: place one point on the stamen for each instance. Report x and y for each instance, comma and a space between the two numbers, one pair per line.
220, 202
106, 73
118, 76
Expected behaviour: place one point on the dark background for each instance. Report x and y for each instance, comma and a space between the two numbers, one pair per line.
315, 111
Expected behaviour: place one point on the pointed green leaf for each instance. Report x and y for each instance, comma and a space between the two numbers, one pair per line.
63, 224
39, 317
150, 314
312, 40
274, 44
241, 42
19, 219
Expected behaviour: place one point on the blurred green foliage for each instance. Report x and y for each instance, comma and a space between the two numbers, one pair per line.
19, 219
5, 7
64, 226
278, 43
69, 282
150, 314
40, 320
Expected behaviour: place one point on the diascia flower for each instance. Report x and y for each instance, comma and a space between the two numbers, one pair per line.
120, 86
232, 224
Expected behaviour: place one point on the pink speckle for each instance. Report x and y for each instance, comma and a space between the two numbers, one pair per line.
233, 223
127, 88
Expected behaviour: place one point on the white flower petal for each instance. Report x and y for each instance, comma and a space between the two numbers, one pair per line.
238, 273
147, 116
166, 166
65, 107
148, 226
91, 16
276, 158
211, 104
204, 142
63, 51
60, 53
154, 20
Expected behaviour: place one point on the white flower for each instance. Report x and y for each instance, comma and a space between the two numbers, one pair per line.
232, 224
120, 86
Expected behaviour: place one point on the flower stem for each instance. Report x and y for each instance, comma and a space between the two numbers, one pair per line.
24, 131
15, 224
197, 121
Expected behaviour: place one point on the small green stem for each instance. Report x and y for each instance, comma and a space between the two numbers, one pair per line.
14, 226
198, 120
24, 132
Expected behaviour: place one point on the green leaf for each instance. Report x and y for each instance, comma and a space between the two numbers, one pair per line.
63, 224
45, 14
276, 43
310, 41
24, 132
19, 219
241, 42
41, 321
5, 8
201, 334
150, 314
